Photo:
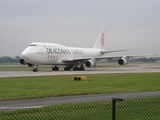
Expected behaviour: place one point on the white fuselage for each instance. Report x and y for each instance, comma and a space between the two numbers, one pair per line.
52, 54
39, 53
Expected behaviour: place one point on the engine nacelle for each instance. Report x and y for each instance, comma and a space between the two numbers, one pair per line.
90, 63
122, 61
22, 61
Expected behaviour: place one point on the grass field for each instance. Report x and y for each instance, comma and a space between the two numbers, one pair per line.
139, 109
50, 86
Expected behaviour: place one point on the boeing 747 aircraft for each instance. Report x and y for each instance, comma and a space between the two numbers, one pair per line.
39, 53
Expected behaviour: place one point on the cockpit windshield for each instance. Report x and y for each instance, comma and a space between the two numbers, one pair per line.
33, 45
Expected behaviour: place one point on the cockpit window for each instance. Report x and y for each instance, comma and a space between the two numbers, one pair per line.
33, 45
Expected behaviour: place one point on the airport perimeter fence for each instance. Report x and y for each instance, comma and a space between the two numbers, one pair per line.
139, 109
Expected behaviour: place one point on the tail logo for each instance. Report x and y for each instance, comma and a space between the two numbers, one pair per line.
102, 39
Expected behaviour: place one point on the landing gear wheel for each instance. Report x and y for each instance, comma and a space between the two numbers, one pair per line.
75, 69
67, 68
35, 69
82, 69
55, 68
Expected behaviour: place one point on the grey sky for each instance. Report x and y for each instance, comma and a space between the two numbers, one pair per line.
131, 24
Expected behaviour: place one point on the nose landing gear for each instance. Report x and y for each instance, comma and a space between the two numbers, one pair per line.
35, 69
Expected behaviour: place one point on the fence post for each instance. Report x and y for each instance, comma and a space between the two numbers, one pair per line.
114, 107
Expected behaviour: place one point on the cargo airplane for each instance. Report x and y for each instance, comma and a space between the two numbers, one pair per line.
40, 53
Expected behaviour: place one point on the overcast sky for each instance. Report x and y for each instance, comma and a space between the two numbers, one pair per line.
131, 24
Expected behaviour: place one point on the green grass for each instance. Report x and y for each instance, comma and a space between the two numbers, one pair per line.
141, 109
63, 112
50, 86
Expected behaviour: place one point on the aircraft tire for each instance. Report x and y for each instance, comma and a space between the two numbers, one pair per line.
55, 69
35, 69
75, 69
66, 68
82, 69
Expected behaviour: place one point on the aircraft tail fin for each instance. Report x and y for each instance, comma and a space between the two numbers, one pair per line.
99, 44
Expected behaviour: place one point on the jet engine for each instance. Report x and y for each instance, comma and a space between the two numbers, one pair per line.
22, 61
123, 61
90, 63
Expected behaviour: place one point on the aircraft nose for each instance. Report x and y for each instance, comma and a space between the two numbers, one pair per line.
24, 54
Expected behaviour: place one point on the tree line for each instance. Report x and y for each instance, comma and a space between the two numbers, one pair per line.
8, 59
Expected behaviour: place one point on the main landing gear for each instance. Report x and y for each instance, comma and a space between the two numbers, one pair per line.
75, 68
78, 68
55, 68
81, 68
67, 68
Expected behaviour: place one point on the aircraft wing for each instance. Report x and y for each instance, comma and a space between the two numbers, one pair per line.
83, 59
112, 51
126, 56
